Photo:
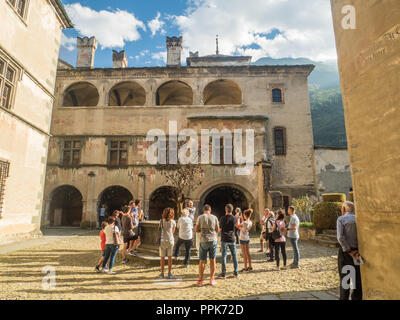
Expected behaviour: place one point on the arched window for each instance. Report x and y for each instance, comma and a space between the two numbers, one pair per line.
127, 94
222, 92
277, 95
81, 94
280, 141
174, 93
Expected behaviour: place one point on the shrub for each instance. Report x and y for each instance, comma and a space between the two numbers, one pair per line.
306, 225
334, 197
325, 215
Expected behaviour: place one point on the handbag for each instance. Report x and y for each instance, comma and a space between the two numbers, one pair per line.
117, 238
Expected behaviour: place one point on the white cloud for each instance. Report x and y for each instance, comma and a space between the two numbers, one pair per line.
156, 25
160, 56
111, 28
67, 42
305, 28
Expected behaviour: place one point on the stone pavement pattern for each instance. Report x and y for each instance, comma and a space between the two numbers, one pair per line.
74, 254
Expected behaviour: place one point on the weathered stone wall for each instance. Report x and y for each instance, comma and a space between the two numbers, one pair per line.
369, 67
32, 45
333, 170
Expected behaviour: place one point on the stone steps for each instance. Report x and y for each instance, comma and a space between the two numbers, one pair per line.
326, 243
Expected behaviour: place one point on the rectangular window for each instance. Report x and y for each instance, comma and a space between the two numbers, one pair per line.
4, 169
71, 152
19, 6
7, 82
280, 141
118, 153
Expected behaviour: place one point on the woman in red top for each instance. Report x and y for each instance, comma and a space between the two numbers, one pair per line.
102, 244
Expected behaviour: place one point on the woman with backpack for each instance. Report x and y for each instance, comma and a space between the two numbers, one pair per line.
280, 241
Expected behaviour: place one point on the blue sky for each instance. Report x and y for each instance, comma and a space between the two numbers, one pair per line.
259, 28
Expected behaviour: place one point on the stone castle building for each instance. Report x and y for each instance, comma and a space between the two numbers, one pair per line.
101, 116
30, 36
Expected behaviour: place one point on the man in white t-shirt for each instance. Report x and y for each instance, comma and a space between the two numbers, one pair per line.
185, 226
293, 236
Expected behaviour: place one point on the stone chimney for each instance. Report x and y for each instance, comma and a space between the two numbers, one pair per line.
119, 59
174, 51
86, 49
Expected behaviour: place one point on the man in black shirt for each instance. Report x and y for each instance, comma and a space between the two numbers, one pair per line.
227, 224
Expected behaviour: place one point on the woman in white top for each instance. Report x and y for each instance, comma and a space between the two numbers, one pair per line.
185, 226
111, 248
167, 225
244, 224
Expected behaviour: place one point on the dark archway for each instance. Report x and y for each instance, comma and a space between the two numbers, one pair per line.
115, 198
127, 94
66, 207
222, 92
174, 93
221, 196
160, 199
81, 94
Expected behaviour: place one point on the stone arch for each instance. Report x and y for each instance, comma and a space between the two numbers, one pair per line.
221, 194
160, 199
174, 93
114, 197
222, 92
128, 93
81, 94
66, 206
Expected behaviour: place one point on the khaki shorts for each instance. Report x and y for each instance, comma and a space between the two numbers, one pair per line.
261, 234
166, 249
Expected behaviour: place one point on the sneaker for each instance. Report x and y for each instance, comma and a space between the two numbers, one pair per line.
236, 275
199, 283
111, 272
267, 254
97, 268
270, 260
213, 282
293, 266
105, 270
133, 253
222, 276
170, 276
243, 270
161, 275
186, 266
249, 269
125, 261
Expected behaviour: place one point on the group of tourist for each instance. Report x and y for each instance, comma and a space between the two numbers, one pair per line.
234, 228
125, 222
276, 231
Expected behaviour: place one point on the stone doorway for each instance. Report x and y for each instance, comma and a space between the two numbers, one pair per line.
115, 198
66, 207
218, 197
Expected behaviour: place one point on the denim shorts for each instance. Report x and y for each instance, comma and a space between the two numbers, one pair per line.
208, 247
242, 242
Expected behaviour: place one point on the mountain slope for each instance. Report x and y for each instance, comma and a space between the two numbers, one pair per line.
325, 99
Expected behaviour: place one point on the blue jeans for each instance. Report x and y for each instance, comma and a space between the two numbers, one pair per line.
208, 247
111, 253
188, 245
296, 253
232, 248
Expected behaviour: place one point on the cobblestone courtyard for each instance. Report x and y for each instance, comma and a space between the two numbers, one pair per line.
74, 253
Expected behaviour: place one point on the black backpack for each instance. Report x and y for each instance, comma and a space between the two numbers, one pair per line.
276, 234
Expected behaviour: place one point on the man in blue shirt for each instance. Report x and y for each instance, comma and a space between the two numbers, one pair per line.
347, 237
